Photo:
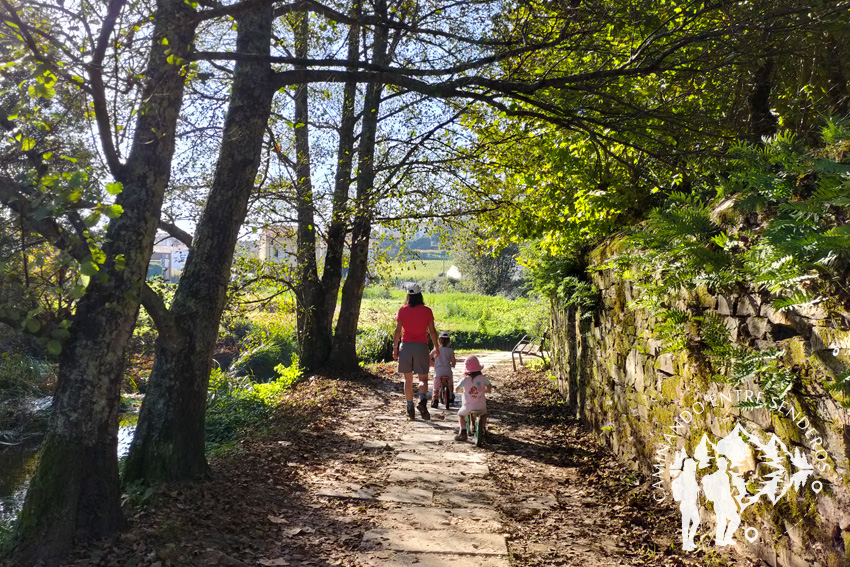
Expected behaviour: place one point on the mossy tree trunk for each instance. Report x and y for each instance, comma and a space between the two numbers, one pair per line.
314, 331
75, 493
169, 440
344, 350
317, 297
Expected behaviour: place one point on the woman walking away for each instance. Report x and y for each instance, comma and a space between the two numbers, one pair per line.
414, 323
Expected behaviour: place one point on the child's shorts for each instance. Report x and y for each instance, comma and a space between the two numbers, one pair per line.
442, 377
465, 411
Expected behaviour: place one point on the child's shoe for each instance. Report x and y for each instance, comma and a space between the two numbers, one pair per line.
461, 435
435, 403
411, 413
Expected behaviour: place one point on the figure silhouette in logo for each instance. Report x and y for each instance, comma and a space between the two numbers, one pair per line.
686, 490
718, 490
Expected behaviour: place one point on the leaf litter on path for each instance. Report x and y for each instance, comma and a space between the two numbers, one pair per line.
563, 499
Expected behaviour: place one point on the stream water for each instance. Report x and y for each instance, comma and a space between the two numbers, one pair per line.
17, 465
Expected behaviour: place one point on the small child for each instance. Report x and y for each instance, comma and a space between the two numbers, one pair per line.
474, 387
443, 365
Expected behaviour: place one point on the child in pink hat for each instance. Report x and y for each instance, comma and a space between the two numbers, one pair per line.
474, 387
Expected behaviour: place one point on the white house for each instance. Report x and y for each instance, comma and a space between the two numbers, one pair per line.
280, 244
168, 258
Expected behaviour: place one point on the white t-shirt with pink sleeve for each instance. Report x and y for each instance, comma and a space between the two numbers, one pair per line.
473, 394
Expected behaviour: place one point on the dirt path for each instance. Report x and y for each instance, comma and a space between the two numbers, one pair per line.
342, 478
542, 493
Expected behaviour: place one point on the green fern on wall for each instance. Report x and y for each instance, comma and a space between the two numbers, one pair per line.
779, 220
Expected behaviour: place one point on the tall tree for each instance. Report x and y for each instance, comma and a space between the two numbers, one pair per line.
75, 493
344, 353
169, 440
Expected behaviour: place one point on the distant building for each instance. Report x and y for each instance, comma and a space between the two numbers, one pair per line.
280, 244
168, 258
453, 273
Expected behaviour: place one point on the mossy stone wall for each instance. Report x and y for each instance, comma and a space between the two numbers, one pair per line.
622, 382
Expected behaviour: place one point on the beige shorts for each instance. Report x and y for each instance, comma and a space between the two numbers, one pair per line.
414, 357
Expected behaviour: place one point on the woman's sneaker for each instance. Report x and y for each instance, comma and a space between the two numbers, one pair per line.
461, 435
423, 409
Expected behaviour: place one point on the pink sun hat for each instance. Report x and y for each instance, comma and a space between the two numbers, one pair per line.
472, 364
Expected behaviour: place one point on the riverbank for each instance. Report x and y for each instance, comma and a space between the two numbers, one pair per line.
19, 454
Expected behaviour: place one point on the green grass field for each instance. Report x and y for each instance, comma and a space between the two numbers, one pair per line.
476, 321
459, 311
416, 270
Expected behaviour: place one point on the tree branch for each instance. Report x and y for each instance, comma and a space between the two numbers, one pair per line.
98, 93
367, 65
164, 321
176, 232
14, 197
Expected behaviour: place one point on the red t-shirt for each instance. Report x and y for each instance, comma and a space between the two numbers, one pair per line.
414, 323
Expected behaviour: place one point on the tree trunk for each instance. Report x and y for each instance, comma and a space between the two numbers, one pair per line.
314, 336
169, 441
317, 298
762, 121
332, 273
834, 65
75, 493
344, 351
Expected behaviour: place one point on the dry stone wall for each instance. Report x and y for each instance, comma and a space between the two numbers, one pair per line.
640, 398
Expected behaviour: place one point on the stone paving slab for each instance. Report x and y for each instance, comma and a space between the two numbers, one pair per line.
446, 456
444, 468
438, 483
435, 541
346, 490
459, 498
406, 495
400, 559
447, 418
434, 424
417, 437
471, 520
431, 480
378, 445
540, 502
492, 358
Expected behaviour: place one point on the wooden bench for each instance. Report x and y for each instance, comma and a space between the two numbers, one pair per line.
529, 346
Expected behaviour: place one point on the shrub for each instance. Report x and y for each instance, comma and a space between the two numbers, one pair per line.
236, 402
486, 341
488, 270
266, 344
779, 224
375, 345
231, 407
23, 376
259, 362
